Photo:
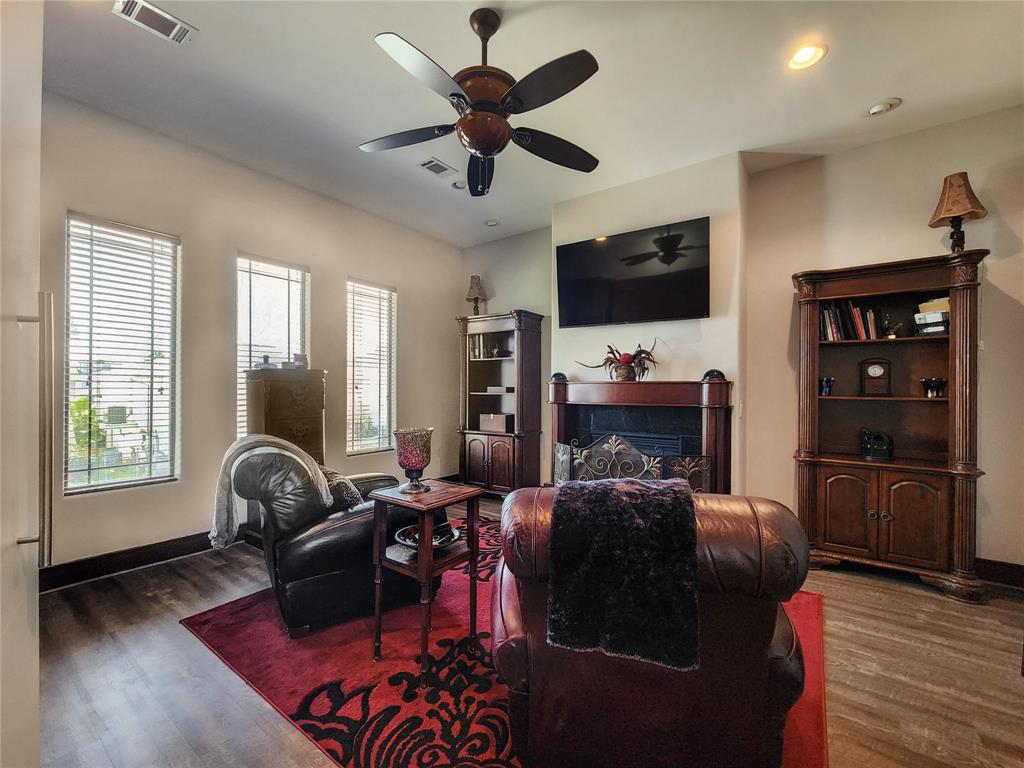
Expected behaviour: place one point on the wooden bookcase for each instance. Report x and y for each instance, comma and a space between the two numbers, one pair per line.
501, 350
916, 512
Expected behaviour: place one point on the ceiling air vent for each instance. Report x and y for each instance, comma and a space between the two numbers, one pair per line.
437, 168
149, 17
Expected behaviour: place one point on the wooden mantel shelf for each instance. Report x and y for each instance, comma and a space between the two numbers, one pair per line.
709, 393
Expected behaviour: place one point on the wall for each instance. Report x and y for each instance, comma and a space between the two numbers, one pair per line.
516, 274
685, 348
102, 166
21, 70
873, 204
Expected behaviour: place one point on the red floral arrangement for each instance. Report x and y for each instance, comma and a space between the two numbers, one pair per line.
625, 366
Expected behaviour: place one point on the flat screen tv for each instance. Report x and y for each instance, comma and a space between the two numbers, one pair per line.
661, 273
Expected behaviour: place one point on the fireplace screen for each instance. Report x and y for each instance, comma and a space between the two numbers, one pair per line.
614, 457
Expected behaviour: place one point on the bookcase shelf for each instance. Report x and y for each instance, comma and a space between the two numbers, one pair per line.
889, 399
897, 340
915, 512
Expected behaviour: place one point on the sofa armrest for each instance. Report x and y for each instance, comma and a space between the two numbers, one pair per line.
368, 482
785, 666
509, 647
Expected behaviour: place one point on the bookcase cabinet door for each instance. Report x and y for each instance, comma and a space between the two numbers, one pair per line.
502, 464
476, 460
847, 514
914, 519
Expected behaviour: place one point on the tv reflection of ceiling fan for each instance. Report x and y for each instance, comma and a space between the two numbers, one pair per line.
669, 247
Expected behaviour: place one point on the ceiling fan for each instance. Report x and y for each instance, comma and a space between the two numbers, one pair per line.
485, 97
669, 247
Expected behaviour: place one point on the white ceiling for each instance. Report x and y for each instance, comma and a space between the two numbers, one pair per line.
291, 88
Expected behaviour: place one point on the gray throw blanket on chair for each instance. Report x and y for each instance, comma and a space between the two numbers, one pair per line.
623, 570
336, 490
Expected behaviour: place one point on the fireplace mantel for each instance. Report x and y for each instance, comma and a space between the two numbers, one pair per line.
709, 393
712, 396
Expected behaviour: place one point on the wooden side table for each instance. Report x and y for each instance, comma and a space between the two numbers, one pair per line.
422, 565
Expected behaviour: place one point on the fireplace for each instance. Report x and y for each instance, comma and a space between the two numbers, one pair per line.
687, 419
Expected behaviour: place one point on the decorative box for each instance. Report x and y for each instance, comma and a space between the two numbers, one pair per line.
497, 422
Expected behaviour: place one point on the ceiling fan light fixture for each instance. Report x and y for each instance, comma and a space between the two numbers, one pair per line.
807, 56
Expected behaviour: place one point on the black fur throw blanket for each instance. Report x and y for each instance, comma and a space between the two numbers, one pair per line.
623, 570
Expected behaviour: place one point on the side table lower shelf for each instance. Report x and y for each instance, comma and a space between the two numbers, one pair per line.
424, 563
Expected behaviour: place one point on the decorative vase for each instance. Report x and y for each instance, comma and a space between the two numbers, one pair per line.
624, 372
413, 446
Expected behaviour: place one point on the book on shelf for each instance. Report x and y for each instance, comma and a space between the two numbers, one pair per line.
940, 304
924, 318
926, 329
842, 321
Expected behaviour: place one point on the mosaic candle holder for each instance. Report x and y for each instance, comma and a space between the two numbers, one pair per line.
413, 446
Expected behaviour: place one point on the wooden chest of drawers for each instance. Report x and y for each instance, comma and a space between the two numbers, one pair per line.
285, 403
288, 404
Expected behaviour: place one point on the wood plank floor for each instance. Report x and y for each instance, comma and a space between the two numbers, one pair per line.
914, 679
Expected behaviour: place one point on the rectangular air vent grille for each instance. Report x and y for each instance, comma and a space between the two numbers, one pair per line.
437, 167
149, 17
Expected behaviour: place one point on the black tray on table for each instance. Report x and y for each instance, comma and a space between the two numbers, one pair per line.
444, 536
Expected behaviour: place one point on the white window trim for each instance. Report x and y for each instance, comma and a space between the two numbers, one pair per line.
393, 395
306, 310
174, 419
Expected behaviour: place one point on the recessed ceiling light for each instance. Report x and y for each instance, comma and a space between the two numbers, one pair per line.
808, 55
492, 222
886, 105
600, 239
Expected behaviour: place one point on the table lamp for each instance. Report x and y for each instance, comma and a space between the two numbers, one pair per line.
476, 292
956, 203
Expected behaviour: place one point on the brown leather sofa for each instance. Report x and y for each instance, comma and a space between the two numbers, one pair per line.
588, 710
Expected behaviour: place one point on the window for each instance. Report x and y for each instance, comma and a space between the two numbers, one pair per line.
121, 356
273, 318
371, 367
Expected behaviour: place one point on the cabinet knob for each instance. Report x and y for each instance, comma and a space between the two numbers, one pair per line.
872, 514
886, 516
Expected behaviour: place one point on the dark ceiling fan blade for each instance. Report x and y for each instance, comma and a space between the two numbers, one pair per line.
422, 67
554, 149
549, 82
480, 175
405, 138
639, 258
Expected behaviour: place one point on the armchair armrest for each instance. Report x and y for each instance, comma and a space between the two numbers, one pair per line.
368, 482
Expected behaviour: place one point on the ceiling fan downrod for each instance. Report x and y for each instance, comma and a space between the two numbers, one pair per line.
485, 22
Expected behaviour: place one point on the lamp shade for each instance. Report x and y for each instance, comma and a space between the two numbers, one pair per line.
957, 199
476, 289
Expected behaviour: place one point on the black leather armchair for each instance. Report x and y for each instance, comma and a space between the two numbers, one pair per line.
320, 559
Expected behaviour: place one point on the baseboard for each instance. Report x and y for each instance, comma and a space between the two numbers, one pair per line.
1011, 574
65, 574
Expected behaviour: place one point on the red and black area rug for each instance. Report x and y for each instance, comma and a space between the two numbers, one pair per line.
366, 715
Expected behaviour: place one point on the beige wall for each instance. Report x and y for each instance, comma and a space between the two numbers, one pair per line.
21, 63
516, 274
873, 204
108, 168
686, 348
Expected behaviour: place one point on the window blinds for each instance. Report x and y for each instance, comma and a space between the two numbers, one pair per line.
371, 367
121, 356
273, 317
